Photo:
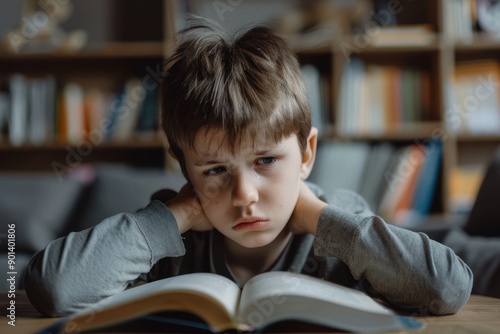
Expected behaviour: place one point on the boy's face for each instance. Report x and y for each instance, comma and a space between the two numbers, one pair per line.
250, 195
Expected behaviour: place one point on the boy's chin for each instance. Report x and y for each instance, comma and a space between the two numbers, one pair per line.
251, 241
253, 244
256, 240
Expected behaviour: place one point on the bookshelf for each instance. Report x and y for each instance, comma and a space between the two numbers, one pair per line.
440, 54
427, 42
104, 67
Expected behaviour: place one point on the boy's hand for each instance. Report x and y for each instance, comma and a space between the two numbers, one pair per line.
188, 212
307, 210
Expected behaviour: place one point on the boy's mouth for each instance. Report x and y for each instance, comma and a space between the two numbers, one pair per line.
250, 223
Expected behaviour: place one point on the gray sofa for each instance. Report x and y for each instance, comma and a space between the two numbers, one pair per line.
43, 208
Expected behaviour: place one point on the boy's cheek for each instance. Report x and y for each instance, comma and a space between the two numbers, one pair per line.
214, 212
212, 187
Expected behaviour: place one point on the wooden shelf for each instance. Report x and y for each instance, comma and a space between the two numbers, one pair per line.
322, 50
108, 50
480, 42
471, 138
403, 132
405, 47
137, 143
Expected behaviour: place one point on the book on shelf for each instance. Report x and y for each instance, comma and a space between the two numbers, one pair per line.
463, 186
458, 20
114, 114
374, 107
398, 178
128, 110
404, 204
148, 116
349, 97
37, 107
318, 36
372, 183
266, 299
475, 98
97, 104
73, 98
403, 35
19, 109
427, 180
314, 89
391, 102
411, 180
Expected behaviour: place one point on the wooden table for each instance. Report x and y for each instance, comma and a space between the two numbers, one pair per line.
480, 315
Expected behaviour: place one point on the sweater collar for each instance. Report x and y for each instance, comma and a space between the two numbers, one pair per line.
292, 259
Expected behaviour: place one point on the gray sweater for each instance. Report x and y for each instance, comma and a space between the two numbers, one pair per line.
352, 247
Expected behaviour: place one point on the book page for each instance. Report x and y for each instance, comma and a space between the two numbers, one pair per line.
276, 286
218, 287
276, 296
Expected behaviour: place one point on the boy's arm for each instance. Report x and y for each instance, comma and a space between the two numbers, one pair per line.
79, 270
405, 268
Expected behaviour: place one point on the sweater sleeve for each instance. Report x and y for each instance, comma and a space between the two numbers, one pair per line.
404, 268
84, 267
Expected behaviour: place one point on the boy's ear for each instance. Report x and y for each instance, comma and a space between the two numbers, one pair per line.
309, 154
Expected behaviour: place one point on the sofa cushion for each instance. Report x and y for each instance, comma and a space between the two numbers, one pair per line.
121, 188
39, 205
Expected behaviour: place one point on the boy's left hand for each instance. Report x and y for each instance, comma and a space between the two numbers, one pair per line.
307, 210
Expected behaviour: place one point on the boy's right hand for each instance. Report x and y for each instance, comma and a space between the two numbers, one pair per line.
188, 212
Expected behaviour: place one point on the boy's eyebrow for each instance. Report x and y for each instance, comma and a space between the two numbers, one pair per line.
204, 162
273, 149
263, 152
209, 162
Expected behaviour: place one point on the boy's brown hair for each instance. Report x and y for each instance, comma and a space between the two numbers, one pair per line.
248, 85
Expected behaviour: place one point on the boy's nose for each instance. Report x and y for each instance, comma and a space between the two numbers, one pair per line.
244, 190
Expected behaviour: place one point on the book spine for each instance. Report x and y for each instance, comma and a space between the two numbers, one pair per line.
19, 110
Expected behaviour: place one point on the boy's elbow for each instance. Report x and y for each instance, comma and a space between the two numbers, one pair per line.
48, 305
54, 298
44, 292
46, 300
51, 300
447, 296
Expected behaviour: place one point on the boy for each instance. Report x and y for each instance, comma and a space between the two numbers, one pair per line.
237, 119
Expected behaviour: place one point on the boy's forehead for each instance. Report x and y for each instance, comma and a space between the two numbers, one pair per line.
215, 142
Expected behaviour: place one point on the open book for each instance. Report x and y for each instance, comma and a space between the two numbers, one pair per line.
265, 299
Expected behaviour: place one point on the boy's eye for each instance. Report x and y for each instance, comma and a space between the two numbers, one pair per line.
266, 160
214, 171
